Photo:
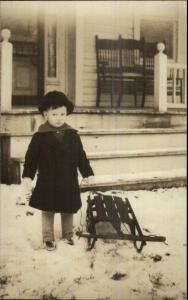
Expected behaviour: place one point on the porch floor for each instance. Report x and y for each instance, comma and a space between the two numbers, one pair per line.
101, 110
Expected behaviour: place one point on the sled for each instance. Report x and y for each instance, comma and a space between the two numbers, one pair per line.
111, 217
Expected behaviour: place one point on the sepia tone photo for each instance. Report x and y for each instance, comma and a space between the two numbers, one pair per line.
93, 150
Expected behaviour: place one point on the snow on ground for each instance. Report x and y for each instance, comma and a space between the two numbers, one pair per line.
113, 270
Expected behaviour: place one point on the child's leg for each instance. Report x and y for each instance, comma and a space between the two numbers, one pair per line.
67, 225
48, 226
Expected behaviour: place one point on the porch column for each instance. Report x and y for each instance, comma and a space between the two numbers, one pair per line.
79, 56
6, 71
160, 79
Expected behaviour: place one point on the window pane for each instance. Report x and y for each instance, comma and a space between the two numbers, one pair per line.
158, 31
52, 46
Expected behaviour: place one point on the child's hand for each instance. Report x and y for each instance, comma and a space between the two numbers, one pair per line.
87, 180
27, 184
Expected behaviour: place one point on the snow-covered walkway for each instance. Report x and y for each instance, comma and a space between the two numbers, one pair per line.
113, 270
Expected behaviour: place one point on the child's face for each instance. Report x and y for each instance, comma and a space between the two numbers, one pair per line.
56, 117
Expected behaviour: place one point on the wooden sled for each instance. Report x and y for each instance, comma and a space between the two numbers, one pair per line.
118, 213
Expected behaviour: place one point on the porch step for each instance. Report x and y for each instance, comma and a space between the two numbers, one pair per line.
137, 181
91, 118
115, 140
136, 153
133, 162
131, 139
138, 161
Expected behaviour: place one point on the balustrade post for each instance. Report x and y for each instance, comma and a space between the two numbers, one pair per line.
6, 71
160, 79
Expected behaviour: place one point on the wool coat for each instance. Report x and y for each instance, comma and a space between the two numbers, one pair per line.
57, 162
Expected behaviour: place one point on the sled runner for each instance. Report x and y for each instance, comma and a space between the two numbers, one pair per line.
111, 217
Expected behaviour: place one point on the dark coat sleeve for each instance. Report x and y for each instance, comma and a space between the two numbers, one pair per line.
83, 162
31, 158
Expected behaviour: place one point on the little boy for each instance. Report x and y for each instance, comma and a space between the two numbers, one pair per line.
56, 151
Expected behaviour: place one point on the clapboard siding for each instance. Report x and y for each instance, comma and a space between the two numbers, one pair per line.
109, 23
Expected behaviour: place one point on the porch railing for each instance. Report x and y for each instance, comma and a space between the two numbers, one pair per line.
169, 82
176, 85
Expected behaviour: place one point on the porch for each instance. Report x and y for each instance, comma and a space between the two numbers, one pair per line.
129, 148
164, 89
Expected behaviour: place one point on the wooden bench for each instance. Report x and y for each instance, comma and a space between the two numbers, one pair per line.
124, 66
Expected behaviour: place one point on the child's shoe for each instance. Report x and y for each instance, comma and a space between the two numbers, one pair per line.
69, 241
50, 245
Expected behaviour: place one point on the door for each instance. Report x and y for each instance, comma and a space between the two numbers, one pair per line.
27, 37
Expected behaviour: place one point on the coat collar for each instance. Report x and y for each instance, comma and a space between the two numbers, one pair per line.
51, 141
46, 127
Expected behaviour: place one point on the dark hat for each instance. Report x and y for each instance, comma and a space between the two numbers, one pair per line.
56, 99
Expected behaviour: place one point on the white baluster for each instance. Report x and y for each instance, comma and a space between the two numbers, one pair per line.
6, 71
160, 79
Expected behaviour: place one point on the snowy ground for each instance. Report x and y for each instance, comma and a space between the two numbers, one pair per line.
113, 270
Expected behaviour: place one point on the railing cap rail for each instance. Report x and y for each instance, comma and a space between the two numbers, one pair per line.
174, 65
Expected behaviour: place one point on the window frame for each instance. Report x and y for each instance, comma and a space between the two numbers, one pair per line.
137, 28
52, 80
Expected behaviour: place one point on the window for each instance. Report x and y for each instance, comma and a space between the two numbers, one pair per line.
159, 31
